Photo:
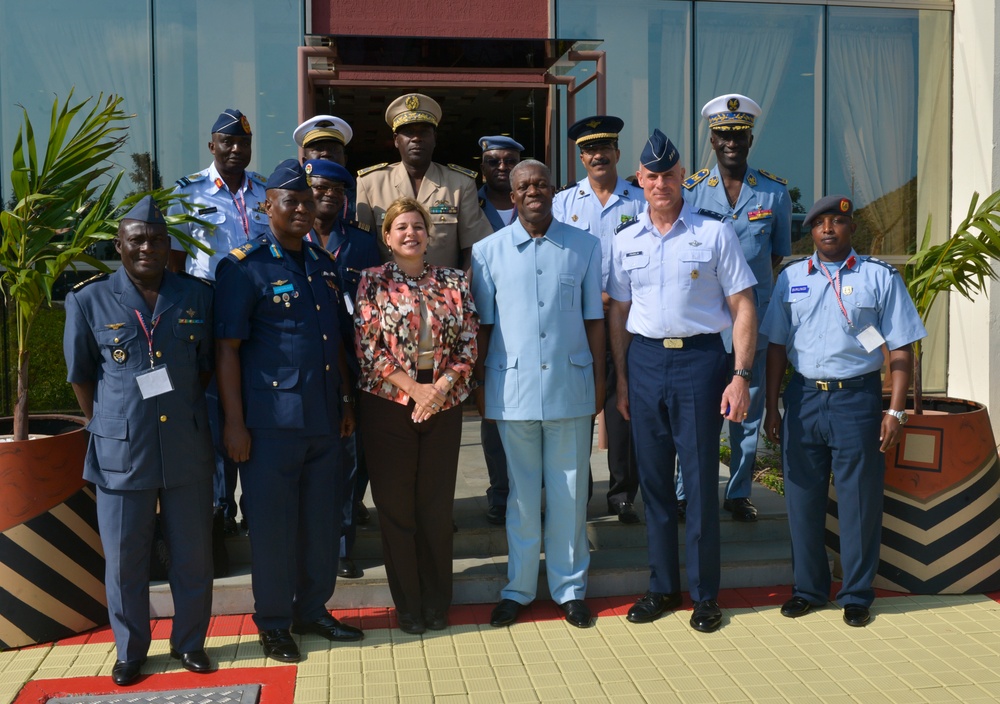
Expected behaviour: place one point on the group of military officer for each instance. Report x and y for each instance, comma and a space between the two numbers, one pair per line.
686, 278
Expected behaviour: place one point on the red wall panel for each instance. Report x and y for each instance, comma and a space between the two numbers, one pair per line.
432, 18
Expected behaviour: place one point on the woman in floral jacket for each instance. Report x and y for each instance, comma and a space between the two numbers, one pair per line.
416, 338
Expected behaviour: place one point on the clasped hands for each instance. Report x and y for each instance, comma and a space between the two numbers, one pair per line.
428, 399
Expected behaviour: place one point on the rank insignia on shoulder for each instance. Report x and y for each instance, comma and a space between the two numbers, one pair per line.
360, 225
462, 170
257, 178
189, 179
713, 182
241, 252
626, 222
711, 214
782, 181
92, 279
370, 169
695, 179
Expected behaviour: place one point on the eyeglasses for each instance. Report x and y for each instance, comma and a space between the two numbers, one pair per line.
337, 190
494, 162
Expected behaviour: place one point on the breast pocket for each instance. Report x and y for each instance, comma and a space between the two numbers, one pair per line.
759, 241
693, 265
862, 307
189, 335
501, 381
120, 348
567, 292
636, 268
799, 304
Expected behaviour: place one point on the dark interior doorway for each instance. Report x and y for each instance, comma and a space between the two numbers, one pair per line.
468, 114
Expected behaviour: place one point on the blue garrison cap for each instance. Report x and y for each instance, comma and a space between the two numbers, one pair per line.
288, 176
599, 128
837, 205
324, 168
232, 121
146, 210
499, 142
659, 154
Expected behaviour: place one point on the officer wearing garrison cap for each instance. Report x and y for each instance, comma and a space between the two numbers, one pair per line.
756, 203
448, 192
831, 316
138, 347
678, 278
283, 378
600, 204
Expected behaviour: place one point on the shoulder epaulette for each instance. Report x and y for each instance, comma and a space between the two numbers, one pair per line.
887, 265
631, 221
462, 170
360, 225
782, 181
185, 275
189, 179
695, 179
794, 261
92, 279
369, 169
241, 252
256, 178
711, 214
566, 187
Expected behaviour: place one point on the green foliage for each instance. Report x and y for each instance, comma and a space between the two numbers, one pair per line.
50, 392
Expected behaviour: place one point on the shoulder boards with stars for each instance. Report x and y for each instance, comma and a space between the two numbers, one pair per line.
711, 214
462, 170
256, 178
241, 252
782, 181
695, 179
563, 188
189, 179
367, 170
887, 265
185, 275
793, 262
92, 279
363, 226
627, 223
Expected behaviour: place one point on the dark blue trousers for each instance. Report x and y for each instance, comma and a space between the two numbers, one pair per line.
674, 397
355, 484
292, 486
836, 432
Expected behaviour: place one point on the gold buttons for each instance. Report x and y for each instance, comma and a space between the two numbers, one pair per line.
158, 353
116, 339
328, 367
324, 337
309, 279
274, 383
163, 419
191, 337
317, 306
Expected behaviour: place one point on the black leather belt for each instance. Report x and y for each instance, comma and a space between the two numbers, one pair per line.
857, 382
677, 343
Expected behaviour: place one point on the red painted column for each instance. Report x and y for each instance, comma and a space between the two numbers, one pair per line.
432, 18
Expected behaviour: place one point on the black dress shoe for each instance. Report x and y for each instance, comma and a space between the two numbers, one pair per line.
497, 515
707, 616
625, 512
125, 672
279, 645
682, 510
330, 628
651, 606
505, 613
361, 514
742, 509
347, 569
436, 620
795, 607
409, 623
195, 661
577, 613
857, 615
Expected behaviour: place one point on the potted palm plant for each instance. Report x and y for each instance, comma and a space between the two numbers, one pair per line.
63, 204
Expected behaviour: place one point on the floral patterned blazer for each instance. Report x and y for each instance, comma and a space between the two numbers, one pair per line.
387, 324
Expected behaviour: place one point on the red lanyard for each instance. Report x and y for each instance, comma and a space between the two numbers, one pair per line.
835, 283
242, 212
149, 334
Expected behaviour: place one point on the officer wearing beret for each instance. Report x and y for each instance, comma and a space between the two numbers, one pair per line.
354, 250
325, 137
138, 347
831, 315
231, 199
600, 204
757, 205
678, 278
448, 192
500, 155
282, 377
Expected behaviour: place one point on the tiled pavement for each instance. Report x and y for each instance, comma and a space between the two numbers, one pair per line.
917, 649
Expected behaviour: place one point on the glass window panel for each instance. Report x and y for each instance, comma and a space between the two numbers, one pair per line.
216, 54
648, 45
773, 55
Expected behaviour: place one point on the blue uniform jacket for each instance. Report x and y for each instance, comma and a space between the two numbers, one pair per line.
136, 443
289, 322
490, 211
354, 250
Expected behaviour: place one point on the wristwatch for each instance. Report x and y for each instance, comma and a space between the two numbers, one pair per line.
899, 415
745, 373
450, 378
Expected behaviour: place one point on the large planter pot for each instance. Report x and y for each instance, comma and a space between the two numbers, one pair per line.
51, 560
941, 516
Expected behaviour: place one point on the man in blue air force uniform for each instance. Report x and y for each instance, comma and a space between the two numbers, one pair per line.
283, 376
138, 347
757, 205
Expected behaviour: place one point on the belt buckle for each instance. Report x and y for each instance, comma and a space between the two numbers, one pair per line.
673, 343
822, 385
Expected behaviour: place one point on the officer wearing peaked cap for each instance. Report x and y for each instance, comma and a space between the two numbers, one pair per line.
831, 316
756, 203
282, 375
325, 137
600, 204
678, 278
448, 192
138, 346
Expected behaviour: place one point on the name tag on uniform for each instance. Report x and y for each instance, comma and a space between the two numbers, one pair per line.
870, 338
800, 289
154, 382
348, 303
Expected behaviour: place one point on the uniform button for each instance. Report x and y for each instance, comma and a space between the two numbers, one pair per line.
163, 419
158, 353
543, 335
545, 366
317, 306
309, 279
328, 367
538, 271
324, 337
116, 339
191, 337
541, 304
274, 383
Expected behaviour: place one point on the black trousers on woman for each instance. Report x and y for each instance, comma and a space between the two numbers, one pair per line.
412, 467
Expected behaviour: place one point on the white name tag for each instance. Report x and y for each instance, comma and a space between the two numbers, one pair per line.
870, 338
154, 382
348, 303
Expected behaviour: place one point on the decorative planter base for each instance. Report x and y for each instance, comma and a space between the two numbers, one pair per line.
941, 517
51, 560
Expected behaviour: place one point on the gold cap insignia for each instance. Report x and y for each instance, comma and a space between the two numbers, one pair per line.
412, 102
845, 205
594, 124
733, 104
245, 123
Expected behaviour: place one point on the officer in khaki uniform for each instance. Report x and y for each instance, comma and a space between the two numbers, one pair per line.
448, 192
